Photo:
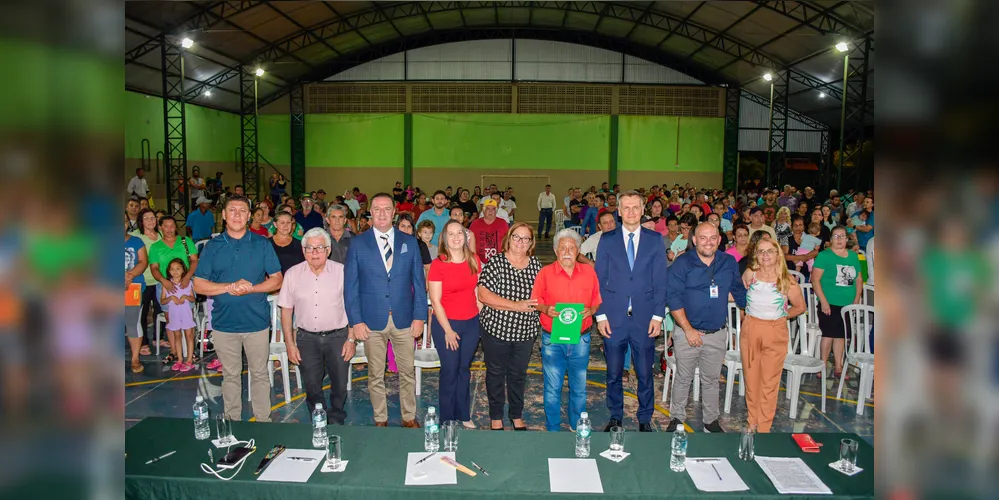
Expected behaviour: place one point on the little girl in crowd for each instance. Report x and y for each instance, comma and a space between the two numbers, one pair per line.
179, 312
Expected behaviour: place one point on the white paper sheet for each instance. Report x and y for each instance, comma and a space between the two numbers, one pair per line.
574, 475
714, 474
431, 471
791, 475
342, 466
287, 469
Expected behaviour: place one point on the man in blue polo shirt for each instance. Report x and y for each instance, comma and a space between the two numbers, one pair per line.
698, 285
239, 268
201, 222
438, 215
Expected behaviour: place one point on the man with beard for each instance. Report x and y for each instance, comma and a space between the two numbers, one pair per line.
438, 215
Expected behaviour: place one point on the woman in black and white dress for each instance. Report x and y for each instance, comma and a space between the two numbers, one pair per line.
509, 323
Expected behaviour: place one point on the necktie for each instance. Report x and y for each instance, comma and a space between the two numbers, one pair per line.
631, 260
387, 249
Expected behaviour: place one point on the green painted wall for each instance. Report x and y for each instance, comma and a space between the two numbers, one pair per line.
274, 140
211, 135
650, 143
543, 142
353, 140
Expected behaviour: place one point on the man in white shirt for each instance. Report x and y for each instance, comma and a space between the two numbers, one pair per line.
588, 250
138, 187
546, 210
197, 183
348, 199
509, 205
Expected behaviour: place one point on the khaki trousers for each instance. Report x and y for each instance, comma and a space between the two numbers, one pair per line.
230, 347
375, 349
764, 347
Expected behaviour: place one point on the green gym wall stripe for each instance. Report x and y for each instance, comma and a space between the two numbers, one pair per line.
649, 143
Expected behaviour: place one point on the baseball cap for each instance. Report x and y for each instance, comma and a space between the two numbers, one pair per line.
490, 203
202, 199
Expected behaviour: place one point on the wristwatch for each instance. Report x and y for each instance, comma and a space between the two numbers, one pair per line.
351, 340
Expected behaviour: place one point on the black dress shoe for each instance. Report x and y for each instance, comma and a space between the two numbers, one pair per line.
645, 428
672, 424
613, 423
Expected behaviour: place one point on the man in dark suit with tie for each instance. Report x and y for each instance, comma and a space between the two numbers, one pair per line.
631, 267
386, 299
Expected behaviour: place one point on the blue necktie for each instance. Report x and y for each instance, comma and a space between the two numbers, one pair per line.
631, 251
631, 260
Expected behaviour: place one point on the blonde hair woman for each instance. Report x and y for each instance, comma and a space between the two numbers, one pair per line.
782, 225
764, 330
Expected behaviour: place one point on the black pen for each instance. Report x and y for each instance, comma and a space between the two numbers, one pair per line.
716, 472
424, 459
480, 468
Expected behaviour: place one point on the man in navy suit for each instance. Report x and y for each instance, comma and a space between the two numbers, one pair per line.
631, 267
386, 298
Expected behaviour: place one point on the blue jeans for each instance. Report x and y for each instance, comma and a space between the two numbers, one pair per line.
455, 375
556, 360
590, 220
545, 221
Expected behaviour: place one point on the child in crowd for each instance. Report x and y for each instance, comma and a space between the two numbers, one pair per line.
180, 316
809, 242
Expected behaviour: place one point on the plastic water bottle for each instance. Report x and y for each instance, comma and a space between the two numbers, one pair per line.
319, 427
431, 431
678, 458
583, 431
201, 428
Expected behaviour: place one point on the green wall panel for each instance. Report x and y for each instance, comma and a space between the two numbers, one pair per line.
560, 142
353, 140
274, 140
649, 143
143, 120
211, 135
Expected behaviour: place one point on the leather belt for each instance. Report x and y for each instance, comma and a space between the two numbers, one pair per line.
326, 332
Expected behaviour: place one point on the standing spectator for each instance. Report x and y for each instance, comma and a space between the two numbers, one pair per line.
782, 225
468, 207
509, 323
489, 232
351, 202
588, 250
239, 268
500, 211
773, 297
672, 233
308, 218
865, 229
150, 302
546, 209
566, 201
715, 220
201, 222
312, 296
508, 204
422, 205
336, 218
454, 326
359, 196
135, 265
196, 183
657, 216
738, 250
699, 285
576, 205
458, 214
810, 198
405, 207
320, 203
179, 305
387, 309
425, 232
170, 247
439, 215
138, 187
787, 198
836, 281
633, 288
287, 248
825, 233
132, 215
565, 281
855, 206
770, 207
756, 223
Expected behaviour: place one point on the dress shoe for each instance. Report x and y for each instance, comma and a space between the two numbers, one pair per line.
645, 427
673, 423
381, 424
411, 424
613, 423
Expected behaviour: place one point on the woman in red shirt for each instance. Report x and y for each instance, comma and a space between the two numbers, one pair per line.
405, 207
454, 326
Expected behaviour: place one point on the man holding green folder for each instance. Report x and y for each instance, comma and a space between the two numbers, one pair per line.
568, 293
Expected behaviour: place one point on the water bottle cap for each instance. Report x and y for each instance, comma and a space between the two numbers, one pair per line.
199, 399
319, 406
584, 415
431, 410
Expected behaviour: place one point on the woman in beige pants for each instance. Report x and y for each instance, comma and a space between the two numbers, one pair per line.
769, 291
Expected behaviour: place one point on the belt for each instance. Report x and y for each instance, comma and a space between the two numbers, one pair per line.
324, 333
709, 332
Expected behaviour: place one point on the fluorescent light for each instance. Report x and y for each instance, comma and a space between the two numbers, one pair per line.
768, 77
259, 72
842, 47
187, 43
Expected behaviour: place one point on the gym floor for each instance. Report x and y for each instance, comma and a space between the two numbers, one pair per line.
160, 392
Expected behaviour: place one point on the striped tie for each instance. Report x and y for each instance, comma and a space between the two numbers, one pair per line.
388, 253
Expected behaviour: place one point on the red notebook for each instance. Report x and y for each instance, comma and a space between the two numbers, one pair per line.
806, 443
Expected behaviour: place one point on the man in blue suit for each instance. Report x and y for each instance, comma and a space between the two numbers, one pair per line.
386, 298
631, 267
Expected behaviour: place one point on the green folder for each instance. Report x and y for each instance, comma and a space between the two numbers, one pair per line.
567, 325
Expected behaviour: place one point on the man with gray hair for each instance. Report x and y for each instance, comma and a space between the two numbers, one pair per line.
336, 220
312, 297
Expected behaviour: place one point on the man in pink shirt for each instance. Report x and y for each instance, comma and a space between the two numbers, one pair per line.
312, 294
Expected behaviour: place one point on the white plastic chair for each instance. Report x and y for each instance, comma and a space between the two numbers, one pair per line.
359, 358
858, 320
669, 379
279, 352
160, 324
558, 220
426, 356
867, 296
811, 316
200, 245
801, 359
798, 276
733, 356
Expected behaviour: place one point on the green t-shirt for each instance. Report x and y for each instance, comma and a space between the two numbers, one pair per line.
839, 276
161, 254
954, 282
148, 273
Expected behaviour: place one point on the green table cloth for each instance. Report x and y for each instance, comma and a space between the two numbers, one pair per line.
517, 463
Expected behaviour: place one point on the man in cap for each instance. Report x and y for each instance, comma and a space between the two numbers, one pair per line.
489, 231
201, 222
308, 218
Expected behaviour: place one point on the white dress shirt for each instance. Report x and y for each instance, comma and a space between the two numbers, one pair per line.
638, 236
138, 186
381, 243
546, 200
